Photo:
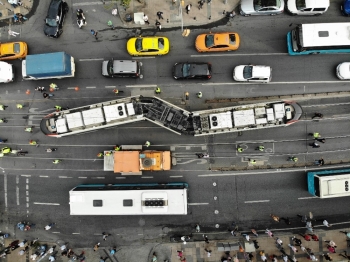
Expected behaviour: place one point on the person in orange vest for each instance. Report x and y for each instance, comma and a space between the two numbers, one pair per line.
108, 153
117, 148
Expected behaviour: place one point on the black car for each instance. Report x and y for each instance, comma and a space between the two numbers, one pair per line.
192, 70
55, 18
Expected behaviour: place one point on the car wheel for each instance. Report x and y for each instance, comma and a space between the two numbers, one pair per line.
246, 15
317, 14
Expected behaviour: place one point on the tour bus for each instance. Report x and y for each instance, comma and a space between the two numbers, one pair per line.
129, 199
329, 183
323, 38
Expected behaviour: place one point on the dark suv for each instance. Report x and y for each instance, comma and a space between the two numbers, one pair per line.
55, 18
192, 70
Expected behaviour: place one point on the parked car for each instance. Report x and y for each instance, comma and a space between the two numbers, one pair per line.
149, 45
217, 42
307, 7
261, 7
55, 18
252, 73
6, 72
192, 70
343, 71
122, 68
13, 50
345, 7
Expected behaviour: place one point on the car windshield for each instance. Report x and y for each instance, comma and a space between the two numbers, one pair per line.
247, 72
209, 40
263, 3
51, 22
110, 67
186, 70
138, 44
16, 48
160, 43
300, 4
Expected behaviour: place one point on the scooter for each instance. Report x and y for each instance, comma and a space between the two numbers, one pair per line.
81, 21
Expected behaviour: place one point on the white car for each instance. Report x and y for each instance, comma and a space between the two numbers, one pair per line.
343, 71
252, 73
6, 72
307, 7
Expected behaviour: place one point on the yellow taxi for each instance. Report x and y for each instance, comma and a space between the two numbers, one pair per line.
13, 50
149, 45
217, 42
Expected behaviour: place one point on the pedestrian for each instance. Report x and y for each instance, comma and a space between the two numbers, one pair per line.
3, 107
286, 220
113, 250
315, 135
13, 33
6, 150
105, 235
157, 91
103, 259
3, 120
256, 244
319, 162
306, 237
267, 231
145, 18
58, 108
200, 4
331, 243
116, 91
274, 217
279, 242
240, 149
40, 88
274, 258
206, 240
285, 258
147, 143
3, 141
312, 257
199, 94
325, 223
327, 257
53, 87
247, 237
49, 226
293, 248
56, 161
331, 249
94, 33
293, 158
160, 15
346, 255
188, 8
314, 145
263, 256
96, 247
158, 25
180, 253
117, 148
317, 115
303, 218
260, 148
33, 143
100, 154
198, 228
208, 252
252, 161
302, 248
108, 153
28, 129
254, 232
297, 241
19, 106
322, 140
346, 233
315, 237
46, 95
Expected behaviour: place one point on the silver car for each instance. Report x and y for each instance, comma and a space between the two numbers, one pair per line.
261, 7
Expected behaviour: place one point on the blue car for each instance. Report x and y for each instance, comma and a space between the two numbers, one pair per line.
345, 7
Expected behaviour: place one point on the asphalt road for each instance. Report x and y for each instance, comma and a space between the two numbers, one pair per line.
37, 190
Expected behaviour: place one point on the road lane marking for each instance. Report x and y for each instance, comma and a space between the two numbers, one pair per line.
110, 86
90, 59
84, 177
91, 87
75, 233
43, 176
278, 83
256, 201
197, 204
47, 204
26, 175
5, 191
65, 177
141, 86
175, 176
226, 54
147, 177
301, 198
120, 177
98, 177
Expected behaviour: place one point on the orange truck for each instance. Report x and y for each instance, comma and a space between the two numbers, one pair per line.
132, 160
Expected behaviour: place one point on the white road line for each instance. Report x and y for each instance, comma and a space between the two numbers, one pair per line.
84, 177
257, 201
301, 198
120, 177
47, 204
144, 57
91, 87
110, 86
91, 59
43, 176
226, 54
5, 191
17, 195
71, 87
98, 177
142, 86
75, 233
27, 175
65, 177
277, 83
197, 204
147, 177
55, 232
175, 176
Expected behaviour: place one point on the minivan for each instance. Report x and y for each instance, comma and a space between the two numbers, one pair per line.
307, 7
122, 68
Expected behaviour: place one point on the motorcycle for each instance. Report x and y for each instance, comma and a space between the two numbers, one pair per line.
81, 21
49, 150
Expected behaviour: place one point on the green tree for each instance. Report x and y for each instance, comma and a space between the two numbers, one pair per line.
126, 3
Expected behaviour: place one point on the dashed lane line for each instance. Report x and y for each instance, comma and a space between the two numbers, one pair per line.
197, 204
47, 204
256, 201
279, 83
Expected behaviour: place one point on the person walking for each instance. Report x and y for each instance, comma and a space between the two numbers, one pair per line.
327, 257
199, 94
314, 237
319, 162
103, 259
317, 115
145, 18
40, 88
53, 87
96, 247
293, 248
19, 106
198, 228
206, 240
275, 218
303, 218
105, 235
306, 237
252, 161
188, 8
33, 143
47, 96
346, 233
314, 145
49, 226
279, 242
240, 149
117, 148
3, 120
3, 107
260, 148
254, 232
100, 154
315, 135
56, 161
267, 231
116, 91
13, 33
293, 158
312, 257
200, 4
208, 252
94, 33
160, 15
158, 25
297, 241
331, 243
325, 223
157, 91
147, 143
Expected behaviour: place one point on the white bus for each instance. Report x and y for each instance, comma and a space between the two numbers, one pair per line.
129, 199
322, 38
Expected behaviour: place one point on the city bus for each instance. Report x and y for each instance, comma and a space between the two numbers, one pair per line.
322, 38
129, 199
329, 183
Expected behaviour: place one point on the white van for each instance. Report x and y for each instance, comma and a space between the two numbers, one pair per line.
307, 7
6, 72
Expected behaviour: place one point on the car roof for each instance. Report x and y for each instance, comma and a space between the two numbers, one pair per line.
316, 3
6, 48
220, 39
198, 68
261, 71
150, 43
52, 13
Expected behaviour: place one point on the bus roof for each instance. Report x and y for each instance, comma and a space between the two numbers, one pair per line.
326, 34
334, 186
128, 202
